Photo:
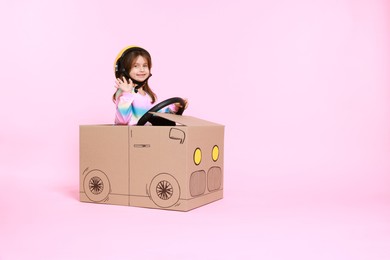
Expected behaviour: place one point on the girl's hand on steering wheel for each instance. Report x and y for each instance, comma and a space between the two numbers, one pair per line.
178, 105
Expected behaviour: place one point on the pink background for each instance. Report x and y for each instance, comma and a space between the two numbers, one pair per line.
301, 86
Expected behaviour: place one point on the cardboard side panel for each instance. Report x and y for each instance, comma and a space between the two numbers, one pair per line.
104, 154
157, 166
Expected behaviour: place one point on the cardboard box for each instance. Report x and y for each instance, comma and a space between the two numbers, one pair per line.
164, 167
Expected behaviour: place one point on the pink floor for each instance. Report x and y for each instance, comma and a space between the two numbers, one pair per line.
264, 218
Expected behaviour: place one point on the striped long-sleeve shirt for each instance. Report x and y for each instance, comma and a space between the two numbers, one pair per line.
130, 107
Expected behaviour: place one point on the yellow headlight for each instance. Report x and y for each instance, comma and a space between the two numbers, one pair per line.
197, 156
215, 153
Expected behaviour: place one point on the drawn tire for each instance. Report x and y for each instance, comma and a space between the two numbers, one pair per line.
96, 185
164, 190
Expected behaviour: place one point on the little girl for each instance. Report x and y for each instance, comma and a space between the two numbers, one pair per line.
133, 97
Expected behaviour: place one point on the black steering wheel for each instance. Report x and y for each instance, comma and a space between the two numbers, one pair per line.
159, 120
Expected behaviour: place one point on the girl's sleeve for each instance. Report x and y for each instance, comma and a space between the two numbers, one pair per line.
124, 108
171, 109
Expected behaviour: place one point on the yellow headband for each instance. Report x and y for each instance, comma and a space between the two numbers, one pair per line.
121, 53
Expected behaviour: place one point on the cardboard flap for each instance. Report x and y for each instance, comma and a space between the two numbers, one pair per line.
185, 120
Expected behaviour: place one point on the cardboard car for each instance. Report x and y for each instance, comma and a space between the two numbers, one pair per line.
175, 167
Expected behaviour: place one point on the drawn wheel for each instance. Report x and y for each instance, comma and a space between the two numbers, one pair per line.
164, 190
96, 185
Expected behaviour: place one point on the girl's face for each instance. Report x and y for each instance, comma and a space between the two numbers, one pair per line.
140, 69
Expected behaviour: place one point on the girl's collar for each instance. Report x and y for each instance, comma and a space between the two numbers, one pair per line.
142, 92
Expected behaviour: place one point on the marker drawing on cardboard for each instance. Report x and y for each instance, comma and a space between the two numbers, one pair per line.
159, 159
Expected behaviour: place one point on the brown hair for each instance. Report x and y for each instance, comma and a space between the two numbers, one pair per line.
127, 61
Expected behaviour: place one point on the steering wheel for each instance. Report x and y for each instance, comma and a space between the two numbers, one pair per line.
161, 121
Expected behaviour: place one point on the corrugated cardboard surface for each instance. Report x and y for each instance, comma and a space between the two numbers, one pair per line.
165, 167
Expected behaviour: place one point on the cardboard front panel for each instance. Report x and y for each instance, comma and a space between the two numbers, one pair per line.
205, 160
